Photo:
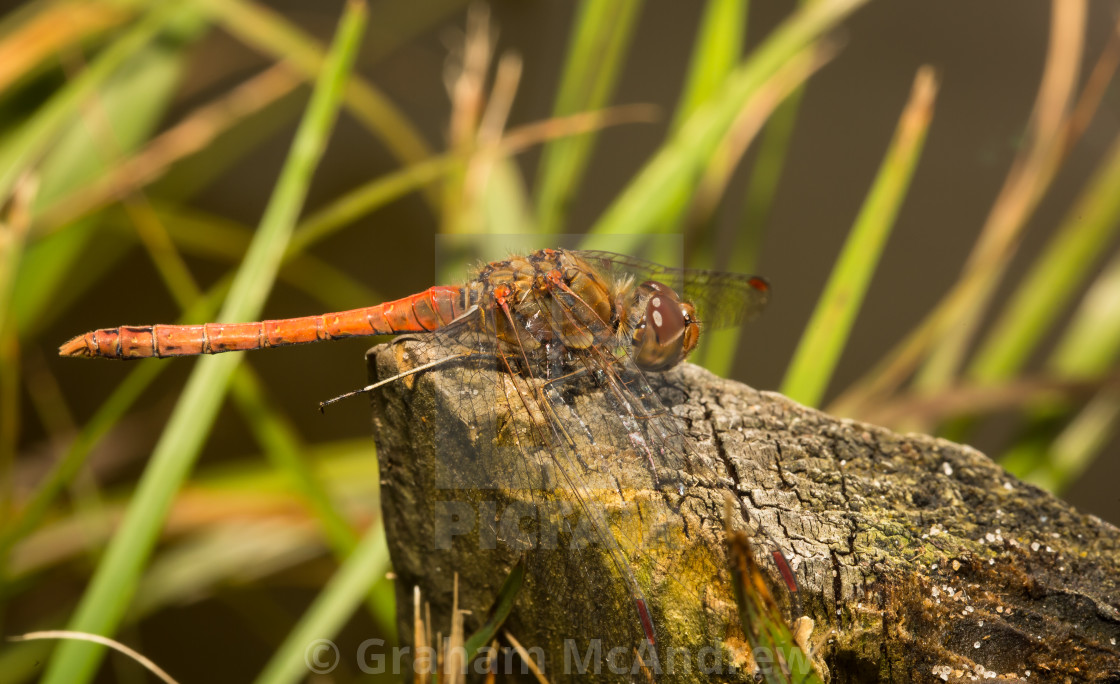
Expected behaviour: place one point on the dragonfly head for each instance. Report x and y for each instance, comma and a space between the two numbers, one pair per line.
667, 331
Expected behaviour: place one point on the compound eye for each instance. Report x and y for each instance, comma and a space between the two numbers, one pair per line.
668, 330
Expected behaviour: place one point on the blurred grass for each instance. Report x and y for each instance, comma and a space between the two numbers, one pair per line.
763, 622
1030, 176
656, 195
129, 102
111, 588
599, 39
110, 179
1048, 289
816, 356
23, 147
331, 608
260, 28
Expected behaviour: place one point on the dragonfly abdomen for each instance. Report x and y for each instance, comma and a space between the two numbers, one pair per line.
421, 312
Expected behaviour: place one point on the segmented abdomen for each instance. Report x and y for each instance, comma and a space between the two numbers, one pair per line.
421, 312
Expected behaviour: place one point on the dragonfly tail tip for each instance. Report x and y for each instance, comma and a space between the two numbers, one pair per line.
75, 346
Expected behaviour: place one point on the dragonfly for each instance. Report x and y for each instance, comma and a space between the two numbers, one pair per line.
557, 320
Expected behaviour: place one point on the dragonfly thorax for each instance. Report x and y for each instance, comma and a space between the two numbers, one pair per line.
549, 299
554, 300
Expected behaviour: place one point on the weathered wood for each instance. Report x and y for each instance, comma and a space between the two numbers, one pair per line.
918, 559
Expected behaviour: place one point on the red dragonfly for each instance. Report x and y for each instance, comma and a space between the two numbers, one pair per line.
554, 317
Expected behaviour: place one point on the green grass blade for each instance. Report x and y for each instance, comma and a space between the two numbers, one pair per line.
652, 194
25, 146
50, 281
180, 571
331, 608
97, 427
1089, 346
208, 126
380, 191
1028, 180
367, 197
763, 187
130, 102
600, 39
126, 107
64, 471
271, 33
715, 52
13, 234
282, 444
1075, 449
762, 620
200, 233
717, 49
206, 235
505, 201
1052, 454
251, 486
115, 579
277, 439
194, 173
397, 24
717, 352
827, 332
1062, 266
503, 604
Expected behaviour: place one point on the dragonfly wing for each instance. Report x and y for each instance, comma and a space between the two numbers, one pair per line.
573, 457
721, 299
528, 474
559, 469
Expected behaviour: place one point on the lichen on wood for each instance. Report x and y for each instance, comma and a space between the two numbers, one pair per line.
918, 559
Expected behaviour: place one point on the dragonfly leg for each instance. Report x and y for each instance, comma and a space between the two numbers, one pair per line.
550, 390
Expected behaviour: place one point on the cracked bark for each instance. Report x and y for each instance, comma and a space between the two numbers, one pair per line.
916, 557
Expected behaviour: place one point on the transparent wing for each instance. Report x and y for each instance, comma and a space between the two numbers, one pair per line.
618, 434
541, 472
721, 299
587, 430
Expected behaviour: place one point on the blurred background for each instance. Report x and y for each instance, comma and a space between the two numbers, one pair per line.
956, 273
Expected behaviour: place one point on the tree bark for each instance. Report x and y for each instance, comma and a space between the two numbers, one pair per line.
918, 559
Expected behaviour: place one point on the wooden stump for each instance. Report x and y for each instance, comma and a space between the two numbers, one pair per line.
917, 558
